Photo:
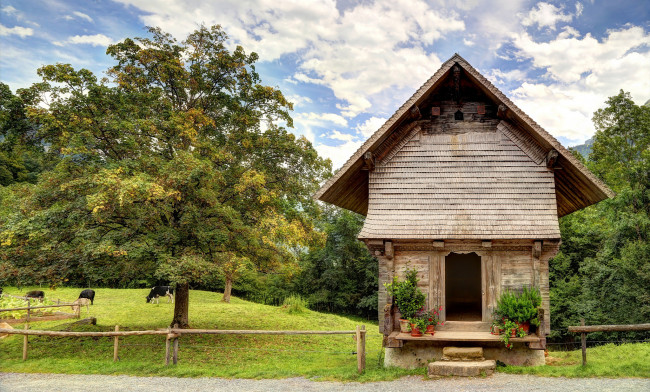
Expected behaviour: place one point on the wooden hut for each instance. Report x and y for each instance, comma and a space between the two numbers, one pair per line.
463, 186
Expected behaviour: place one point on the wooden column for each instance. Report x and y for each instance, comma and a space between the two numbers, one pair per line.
537, 253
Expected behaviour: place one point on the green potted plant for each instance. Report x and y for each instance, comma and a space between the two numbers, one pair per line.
511, 330
418, 325
432, 318
408, 298
521, 309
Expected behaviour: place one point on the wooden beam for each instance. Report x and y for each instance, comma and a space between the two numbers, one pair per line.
388, 250
551, 158
438, 244
368, 161
537, 252
486, 243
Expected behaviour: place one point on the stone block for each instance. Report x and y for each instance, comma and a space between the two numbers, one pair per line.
462, 368
462, 354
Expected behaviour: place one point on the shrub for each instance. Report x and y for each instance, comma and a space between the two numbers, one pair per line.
408, 298
295, 304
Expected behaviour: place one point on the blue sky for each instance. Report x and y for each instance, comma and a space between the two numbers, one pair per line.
348, 65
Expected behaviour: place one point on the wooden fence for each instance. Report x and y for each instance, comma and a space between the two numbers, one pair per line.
173, 334
29, 308
583, 330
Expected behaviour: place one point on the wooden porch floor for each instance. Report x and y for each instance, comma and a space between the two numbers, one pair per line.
461, 336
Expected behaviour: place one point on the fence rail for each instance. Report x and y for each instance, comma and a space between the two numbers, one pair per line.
583, 329
173, 334
29, 308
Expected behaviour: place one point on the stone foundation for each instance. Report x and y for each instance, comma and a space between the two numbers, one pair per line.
418, 354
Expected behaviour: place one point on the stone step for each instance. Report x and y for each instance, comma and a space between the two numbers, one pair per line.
462, 354
462, 369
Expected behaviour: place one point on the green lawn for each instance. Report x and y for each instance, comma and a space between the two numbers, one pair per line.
251, 356
245, 356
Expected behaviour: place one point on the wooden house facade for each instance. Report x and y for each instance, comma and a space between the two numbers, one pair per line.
463, 186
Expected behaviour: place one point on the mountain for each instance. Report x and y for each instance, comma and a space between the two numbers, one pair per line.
585, 149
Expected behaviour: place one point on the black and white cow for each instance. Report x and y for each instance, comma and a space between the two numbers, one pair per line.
88, 293
160, 291
36, 294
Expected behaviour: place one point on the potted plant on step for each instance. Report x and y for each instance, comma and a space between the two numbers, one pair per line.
432, 318
418, 325
408, 298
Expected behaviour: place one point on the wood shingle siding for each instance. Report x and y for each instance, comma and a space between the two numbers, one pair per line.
476, 185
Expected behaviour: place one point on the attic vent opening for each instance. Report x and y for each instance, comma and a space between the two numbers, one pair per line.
458, 116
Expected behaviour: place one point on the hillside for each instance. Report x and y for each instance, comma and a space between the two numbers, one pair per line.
585, 148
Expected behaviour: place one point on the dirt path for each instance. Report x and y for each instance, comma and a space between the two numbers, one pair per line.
17, 382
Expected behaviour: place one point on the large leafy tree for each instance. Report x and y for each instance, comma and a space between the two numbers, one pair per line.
175, 165
603, 270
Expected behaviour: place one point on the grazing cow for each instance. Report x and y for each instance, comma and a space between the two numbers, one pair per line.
159, 291
79, 302
88, 293
36, 294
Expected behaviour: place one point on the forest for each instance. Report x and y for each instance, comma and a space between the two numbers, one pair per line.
178, 167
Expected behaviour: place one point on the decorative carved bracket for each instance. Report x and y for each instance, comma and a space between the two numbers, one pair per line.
551, 158
368, 161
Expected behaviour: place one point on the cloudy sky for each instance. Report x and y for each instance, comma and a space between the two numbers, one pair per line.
348, 65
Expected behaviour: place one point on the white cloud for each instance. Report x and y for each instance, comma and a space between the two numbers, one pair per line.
370, 126
22, 32
9, 10
581, 73
358, 53
94, 40
547, 15
339, 154
81, 15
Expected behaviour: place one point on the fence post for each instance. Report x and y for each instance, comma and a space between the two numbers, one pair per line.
176, 346
25, 340
116, 343
361, 348
167, 348
29, 312
583, 339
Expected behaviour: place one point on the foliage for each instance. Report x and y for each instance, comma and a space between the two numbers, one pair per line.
342, 276
294, 304
602, 272
519, 307
408, 298
10, 302
172, 162
432, 317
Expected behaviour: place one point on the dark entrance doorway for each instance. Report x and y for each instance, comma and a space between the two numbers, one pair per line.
463, 287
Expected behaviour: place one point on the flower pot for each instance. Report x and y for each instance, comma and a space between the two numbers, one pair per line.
430, 330
495, 330
403, 325
525, 326
513, 332
415, 332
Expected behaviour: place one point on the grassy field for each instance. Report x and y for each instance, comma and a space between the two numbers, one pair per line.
316, 357
312, 356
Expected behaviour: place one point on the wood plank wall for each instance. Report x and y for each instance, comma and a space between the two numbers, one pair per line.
503, 268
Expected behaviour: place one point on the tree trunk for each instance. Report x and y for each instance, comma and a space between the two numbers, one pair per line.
181, 306
227, 289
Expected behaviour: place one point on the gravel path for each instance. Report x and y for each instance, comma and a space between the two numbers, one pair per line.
18, 382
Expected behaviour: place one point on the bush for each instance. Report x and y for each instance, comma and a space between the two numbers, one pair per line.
295, 304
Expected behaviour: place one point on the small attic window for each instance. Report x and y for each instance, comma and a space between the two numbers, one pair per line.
458, 116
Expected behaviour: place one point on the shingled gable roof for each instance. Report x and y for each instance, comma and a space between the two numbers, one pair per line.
576, 187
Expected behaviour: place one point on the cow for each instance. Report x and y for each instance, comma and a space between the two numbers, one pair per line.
89, 294
158, 291
36, 294
79, 302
